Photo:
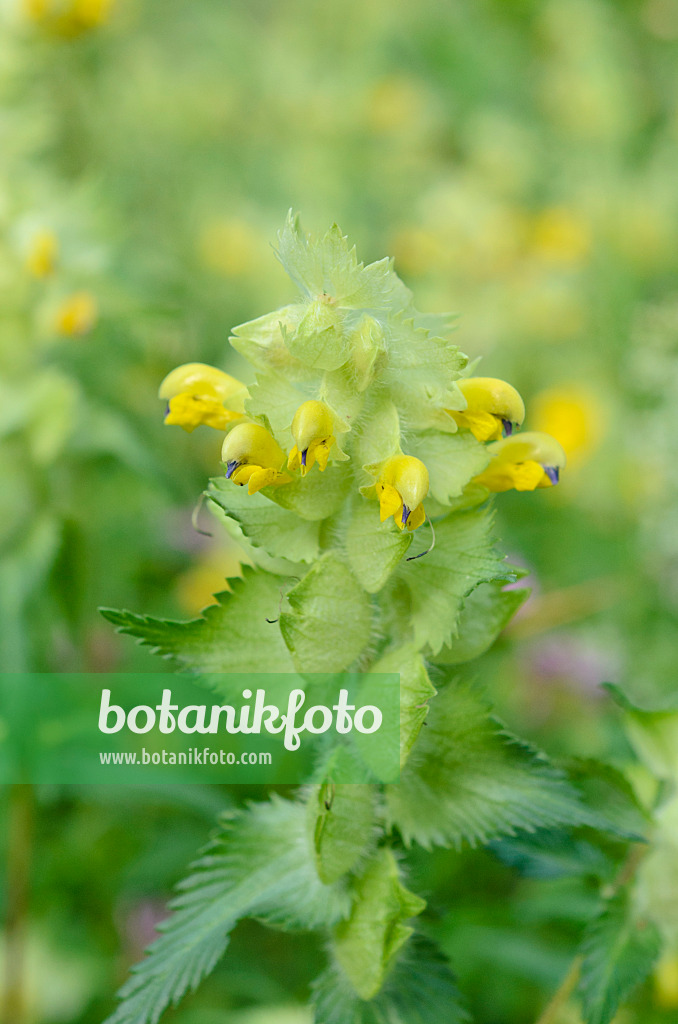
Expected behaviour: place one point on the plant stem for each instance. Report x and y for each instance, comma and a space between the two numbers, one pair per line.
562, 994
20, 838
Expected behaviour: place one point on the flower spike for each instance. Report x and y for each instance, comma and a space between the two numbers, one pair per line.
525, 462
253, 456
494, 408
197, 393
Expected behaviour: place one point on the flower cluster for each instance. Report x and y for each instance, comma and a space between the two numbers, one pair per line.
332, 368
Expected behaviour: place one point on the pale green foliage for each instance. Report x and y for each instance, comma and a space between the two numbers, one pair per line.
419, 989
342, 819
416, 691
279, 532
365, 944
618, 951
261, 864
468, 781
328, 623
485, 612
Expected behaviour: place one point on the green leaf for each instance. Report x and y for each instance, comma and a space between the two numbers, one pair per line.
233, 636
484, 614
452, 460
342, 824
618, 950
611, 799
315, 496
553, 854
421, 372
280, 533
262, 341
320, 340
420, 989
329, 266
467, 780
653, 734
275, 399
416, 690
462, 558
365, 944
374, 549
261, 865
329, 621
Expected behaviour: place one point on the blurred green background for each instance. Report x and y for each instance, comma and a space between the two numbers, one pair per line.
518, 159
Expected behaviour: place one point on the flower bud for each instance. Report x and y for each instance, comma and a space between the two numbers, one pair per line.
198, 393
401, 488
523, 462
494, 408
253, 456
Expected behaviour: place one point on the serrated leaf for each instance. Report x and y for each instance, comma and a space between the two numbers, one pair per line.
374, 549
610, 798
261, 865
232, 636
462, 558
618, 950
452, 460
484, 614
342, 825
421, 372
467, 780
416, 691
329, 266
329, 621
280, 533
552, 854
420, 989
365, 944
315, 496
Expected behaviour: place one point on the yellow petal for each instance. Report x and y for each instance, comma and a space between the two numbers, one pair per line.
294, 460
484, 426
416, 518
503, 476
259, 478
189, 411
390, 503
322, 452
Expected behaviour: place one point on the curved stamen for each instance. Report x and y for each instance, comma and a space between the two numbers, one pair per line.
553, 473
507, 428
231, 468
406, 514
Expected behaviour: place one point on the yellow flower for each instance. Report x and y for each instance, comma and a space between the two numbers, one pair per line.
77, 314
665, 979
252, 456
401, 488
561, 236
312, 430
574, 415
523, 462
197, 393
494, 408
42, 254
69, 18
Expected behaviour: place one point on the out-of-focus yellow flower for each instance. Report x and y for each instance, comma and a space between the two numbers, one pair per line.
68, 17
395, 103
198, 393
401, 488
524, 462
561, 236
195, 588
253, 456
42, 255
76, 315
494, 408
313, 433
575, 416
229, 247
665, 978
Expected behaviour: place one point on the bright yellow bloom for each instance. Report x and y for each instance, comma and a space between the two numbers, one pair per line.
523, 462
401, 489
197, 393
494, 408
312, 430
77, 314
68, 17
665, 979
573, 414
42, 254
252, 456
